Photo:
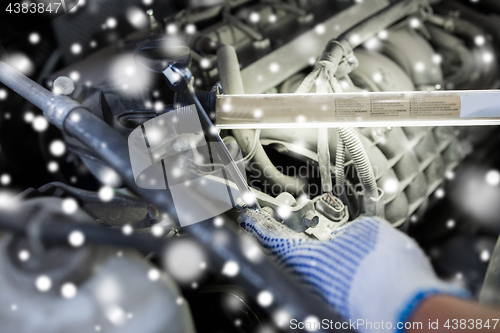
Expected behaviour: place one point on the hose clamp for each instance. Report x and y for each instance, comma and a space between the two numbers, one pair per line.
349, 61
58, 110
424, 9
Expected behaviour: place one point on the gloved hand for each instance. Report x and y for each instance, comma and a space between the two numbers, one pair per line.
367, 270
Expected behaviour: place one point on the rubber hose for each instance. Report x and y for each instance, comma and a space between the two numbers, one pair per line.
489, 70
309, 138
230, 76
468, 31
448, 41
361, 161
339, 168
324, 160
487, 22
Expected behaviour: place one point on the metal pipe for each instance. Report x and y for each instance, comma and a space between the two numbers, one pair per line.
27, 88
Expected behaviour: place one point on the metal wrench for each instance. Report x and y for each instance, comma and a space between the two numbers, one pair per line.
180, 80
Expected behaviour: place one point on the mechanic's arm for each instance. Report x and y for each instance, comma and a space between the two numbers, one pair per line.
442, 308
368, 271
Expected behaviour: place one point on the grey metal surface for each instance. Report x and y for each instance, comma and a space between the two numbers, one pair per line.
273, 69
298, 216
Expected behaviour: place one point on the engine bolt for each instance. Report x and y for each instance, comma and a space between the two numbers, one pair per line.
180, 145
63, 85
153, 212
310, 220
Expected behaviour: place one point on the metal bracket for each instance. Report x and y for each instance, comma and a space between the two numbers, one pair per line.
297, 216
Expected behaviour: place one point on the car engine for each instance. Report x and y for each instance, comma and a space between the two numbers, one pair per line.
84, 218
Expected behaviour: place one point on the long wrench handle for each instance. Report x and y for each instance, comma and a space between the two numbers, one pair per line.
213, 135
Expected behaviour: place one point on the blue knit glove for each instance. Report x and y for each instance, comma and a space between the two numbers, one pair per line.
368, 271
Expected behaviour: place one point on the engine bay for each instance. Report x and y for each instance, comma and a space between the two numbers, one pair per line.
311, 113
